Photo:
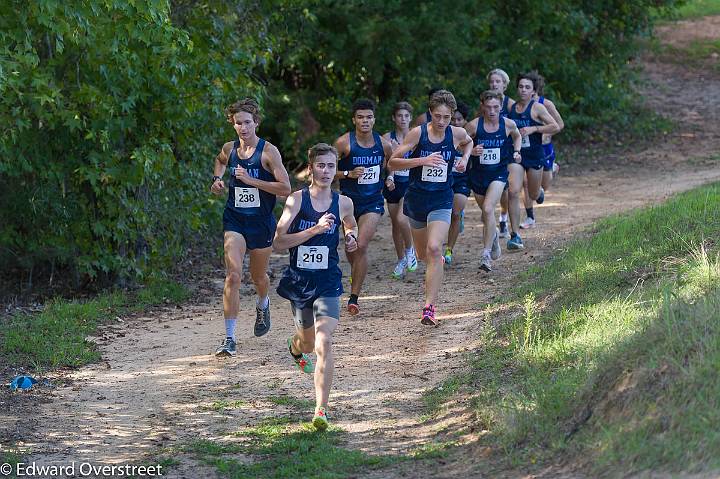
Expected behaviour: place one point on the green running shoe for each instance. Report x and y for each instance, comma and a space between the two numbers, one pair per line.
448, 256
303, 362
320, 420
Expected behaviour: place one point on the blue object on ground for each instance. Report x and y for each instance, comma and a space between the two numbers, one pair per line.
22, 382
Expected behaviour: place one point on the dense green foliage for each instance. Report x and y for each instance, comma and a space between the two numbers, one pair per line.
112, 110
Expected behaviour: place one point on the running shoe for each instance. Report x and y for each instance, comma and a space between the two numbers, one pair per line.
504, 233
496, 251
515, 243
486, 263
411, 261
353, 307
528, 223
462, 221
399, 272
303, 362
428, 316
262, 320
448, 256
226, 349
320, 419
541, 197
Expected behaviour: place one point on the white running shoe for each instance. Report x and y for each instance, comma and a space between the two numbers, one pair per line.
527, 224
486, 263
496, 252
411, 261
399, 272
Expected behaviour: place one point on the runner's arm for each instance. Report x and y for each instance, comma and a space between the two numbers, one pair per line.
549, 125
221, 160
284, 240
552, 109
463, 140
397, 162
342, 145
387, 149
348, 218
471, 127
272, 161
512, 128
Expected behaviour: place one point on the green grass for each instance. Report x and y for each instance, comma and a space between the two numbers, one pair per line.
56, 336
10, 456
637, 299
283, 448
696, 8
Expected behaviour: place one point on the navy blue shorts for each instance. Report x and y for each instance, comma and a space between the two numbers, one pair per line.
480, 183
461, 185
533, 158
258, 231
302, 289
362, 206
549, 151
418, 205
397, 194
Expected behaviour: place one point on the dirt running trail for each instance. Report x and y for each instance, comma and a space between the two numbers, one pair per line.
157, 381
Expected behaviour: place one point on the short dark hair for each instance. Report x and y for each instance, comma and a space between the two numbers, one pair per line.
320, 149
363, 104
402, 105
534, 77
443, 97
248, 105
463, 108
491, 95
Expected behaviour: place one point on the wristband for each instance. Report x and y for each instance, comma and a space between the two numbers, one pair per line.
215, 178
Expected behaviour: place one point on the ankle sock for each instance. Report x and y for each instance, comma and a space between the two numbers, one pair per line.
230, 328
263, 303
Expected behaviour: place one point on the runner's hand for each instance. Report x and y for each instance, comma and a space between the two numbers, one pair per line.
356, 172
242, 175
390, 183
460, 166
218, 187
525, 131
477, 150
517, 157
326, 222
350, 243
435, 159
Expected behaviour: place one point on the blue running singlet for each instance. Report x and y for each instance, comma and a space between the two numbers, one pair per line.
493, 164
401, 176
313, 271
244, 199
430, 186
548, 148
532, 151
504, 107
368, 187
